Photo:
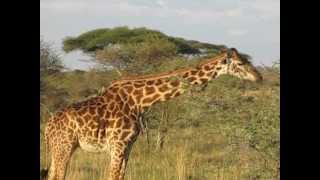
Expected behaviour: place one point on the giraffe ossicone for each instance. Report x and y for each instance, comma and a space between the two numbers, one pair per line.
110, 121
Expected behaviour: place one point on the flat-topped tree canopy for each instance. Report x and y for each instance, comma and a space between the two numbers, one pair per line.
99, 38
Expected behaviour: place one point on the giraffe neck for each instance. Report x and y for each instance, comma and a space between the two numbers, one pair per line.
144, 92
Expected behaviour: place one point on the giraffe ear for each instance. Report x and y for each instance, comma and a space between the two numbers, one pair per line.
229, 55
234, 50
230, 52
223, 50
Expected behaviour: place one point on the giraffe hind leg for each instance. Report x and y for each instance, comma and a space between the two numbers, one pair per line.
60, 156
59, 162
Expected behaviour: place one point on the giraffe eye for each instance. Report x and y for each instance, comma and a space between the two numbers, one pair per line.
240, 64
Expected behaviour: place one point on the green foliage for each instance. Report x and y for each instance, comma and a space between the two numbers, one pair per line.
99, 38
137, 50
50, 61
276, 66
50, 65
138, 58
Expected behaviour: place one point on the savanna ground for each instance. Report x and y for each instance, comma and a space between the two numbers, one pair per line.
229, 131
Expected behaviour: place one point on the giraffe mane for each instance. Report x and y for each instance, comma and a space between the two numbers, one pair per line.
168, 74
152, 76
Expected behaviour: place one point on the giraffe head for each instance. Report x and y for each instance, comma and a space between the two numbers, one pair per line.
239, 66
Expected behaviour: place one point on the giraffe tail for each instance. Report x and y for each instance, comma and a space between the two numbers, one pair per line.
44, 172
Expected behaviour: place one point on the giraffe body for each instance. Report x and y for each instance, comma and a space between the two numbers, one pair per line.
109, 122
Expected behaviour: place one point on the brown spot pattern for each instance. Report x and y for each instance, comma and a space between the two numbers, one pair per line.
214, 75
192, 79
193, 72
126, 108
159, 81
82, 111
138, 92
92, 110
151, 99
118, 124
177, 94
201, 73
175, 83
87, 117
107, 114
109, 96
123, 94
124, 134
150, 82
163, 88
150, 90
138, 85
185, 75
203, 80
207, 68
111, 106
129, 89
138, 98
125, 83
114, 89
131, 101
168, 96
111, 123
126, 123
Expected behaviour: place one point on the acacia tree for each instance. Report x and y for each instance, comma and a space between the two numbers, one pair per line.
50, 60
98, 39
50, 64
136, 50
136, 58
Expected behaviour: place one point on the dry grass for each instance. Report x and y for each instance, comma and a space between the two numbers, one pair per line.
194, 159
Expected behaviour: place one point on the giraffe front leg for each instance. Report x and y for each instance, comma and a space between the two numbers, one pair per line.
119, 160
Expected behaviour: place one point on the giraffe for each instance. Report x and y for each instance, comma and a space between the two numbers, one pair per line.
109, 122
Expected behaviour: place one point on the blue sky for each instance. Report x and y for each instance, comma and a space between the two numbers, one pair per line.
251, 26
